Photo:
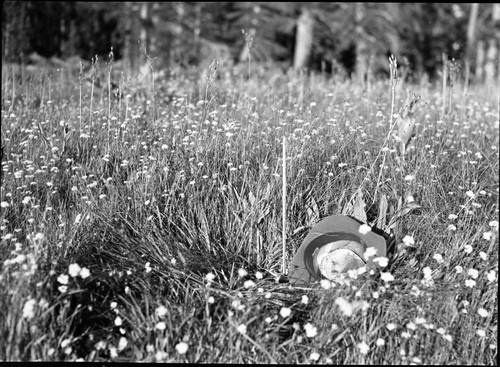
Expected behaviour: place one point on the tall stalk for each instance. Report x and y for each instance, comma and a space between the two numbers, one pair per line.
393, 65
94, 74
110, 66
80, 79
445, 79
283, 265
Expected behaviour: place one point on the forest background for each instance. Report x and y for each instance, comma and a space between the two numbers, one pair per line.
350, 38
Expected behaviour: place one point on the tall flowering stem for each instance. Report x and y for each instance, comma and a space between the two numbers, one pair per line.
80, 79
393, 68
110, 66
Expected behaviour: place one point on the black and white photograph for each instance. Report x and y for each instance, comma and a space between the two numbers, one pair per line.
250, 182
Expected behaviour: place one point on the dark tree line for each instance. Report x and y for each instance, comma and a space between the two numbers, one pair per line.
355, 38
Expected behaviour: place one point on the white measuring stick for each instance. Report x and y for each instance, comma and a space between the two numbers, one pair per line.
283, 265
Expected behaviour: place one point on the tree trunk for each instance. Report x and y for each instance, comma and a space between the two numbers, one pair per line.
303, 39
127, 43
175, 31
480, 62
197, 23
143, 33
196, 33
493, 52
62, 37
73, 38
361, 69
394, 16
471, 30
155, 19
496, 12
491, 61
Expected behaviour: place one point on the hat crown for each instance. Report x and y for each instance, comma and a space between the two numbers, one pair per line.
339, 261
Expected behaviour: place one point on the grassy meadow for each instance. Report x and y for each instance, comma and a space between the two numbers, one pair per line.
146, 225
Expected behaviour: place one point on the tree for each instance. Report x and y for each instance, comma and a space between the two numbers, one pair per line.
490, 67
15, 40
471, 32
359, 36
304, 39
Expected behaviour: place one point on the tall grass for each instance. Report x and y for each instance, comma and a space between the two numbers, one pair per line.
175, 229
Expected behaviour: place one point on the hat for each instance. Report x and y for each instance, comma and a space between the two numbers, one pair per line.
334, 245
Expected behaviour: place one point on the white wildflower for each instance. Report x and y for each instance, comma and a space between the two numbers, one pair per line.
382, 261
482, 312
363, 348
408, 240
386, 277
84, 273
364, 229
242, 329
311, 330
369, 252
473, 273
210, 277
242, 273
29, 309
467, 249
181, 348
285, 312
122, 344
74, 270
314, 356
470, 283
491, 275
161, 311
391, 326
63, 279
438, 258
249, 284
344, 306
325, 284
487, 235
161, 325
